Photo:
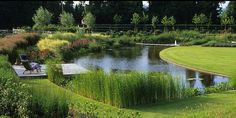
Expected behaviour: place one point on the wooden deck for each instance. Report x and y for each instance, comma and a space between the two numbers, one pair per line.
151, 44
68, 69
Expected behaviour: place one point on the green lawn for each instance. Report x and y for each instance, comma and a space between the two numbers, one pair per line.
211, 105
212, 59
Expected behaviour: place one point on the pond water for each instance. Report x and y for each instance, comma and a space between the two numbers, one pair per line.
145, 59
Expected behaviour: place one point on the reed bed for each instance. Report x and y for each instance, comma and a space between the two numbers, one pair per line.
130, 89
10, 42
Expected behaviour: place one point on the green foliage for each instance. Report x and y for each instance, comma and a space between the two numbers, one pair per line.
48, 102
14, 97
117, 19
53, 45
54, 71
189, 35
168, 22
165, 21
199, 19
135, 20
89, 20
67, 19
226, 20
145, 18
172, 21
154, 22
218, 44
95, 47
166, 38
218, 88
65, 36
124, 90
41, 18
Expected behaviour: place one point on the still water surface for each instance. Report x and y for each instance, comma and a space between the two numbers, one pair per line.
145, 59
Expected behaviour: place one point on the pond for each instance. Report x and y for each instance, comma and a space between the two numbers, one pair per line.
146, 59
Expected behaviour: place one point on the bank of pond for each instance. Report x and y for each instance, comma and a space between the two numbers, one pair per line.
122, 74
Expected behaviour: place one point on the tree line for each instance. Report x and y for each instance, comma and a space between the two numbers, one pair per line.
42, 19
15, 13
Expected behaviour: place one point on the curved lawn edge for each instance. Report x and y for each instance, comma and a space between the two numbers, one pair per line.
164, 57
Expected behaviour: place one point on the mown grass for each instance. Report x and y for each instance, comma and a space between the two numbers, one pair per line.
219, 60
219, 105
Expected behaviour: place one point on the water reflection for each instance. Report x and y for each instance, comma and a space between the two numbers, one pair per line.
146, 59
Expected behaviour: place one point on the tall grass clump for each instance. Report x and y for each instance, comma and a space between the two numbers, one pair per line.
189, 35
163, 38
52, 45
54, 71
10, 42
134, 88
49, 103
65, 36
14, 96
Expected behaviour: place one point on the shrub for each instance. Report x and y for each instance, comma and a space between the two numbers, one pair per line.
218, 88
95, 47
64, 36
166, 37
14, 97
10, 42
52, 45
130, 33
189, 35
55, 72
219, 44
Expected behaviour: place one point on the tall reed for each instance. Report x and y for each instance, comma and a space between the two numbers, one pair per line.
134, 88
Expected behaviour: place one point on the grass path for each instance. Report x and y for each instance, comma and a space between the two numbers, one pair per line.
212, 105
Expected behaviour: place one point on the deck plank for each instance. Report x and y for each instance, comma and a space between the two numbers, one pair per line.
68, 69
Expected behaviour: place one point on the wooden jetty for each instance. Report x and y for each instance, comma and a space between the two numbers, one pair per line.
151, 44
68, 69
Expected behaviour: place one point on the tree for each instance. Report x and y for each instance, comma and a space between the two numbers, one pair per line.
89, 20
231, 8
184, 11
196, 20
226, 20
41, 18
209, 21
154, 23
165, 22
67, 19
203, 18
145, 20
135, 20
117, 19
199, 19
172, 22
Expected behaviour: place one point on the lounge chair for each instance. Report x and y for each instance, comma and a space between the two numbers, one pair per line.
24, 57
31, 66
